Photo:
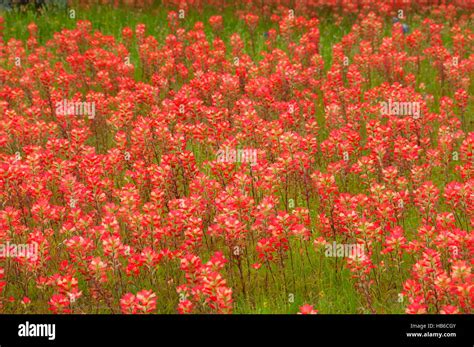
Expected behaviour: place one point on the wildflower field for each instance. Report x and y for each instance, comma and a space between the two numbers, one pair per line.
276, 156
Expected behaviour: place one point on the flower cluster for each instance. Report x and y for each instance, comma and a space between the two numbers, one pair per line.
136, 200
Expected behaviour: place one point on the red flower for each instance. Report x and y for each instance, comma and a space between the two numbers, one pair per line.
307, 309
